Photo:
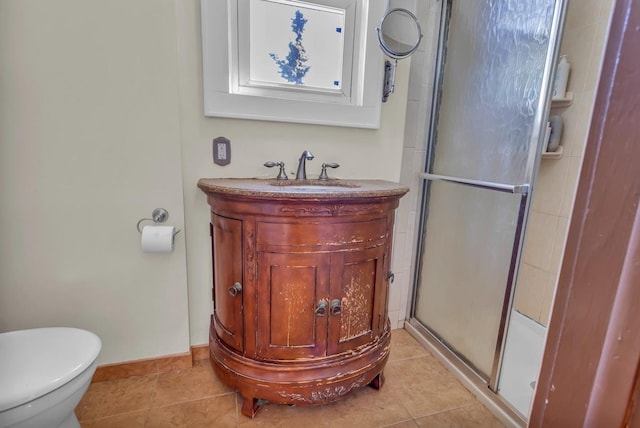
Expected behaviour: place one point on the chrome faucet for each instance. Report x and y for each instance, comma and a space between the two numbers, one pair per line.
302, 172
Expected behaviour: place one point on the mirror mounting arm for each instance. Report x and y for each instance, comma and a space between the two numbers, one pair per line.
399, 35
389, 79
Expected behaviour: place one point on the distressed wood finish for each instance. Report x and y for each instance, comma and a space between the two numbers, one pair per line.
227, 250
275, 340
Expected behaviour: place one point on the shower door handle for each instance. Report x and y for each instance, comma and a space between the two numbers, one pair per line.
500, 187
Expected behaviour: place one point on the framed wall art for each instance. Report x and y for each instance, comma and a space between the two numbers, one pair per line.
293, 61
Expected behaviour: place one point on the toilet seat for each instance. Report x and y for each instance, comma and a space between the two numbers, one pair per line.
37, 361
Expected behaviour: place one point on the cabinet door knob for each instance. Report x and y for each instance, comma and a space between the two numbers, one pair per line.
321, 308
391, 276
336, 307
235, 289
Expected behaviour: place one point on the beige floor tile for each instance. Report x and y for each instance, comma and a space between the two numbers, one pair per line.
128, 420
367, 408
418, 391
116, 397
472, 416
404, 346
187, 385
424, 386
406, 424
219, 412
284, 416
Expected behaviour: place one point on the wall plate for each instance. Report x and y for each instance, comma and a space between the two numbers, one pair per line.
221, 151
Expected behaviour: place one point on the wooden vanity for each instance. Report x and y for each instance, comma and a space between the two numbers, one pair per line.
300, 286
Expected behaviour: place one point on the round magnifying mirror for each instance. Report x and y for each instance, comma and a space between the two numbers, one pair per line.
399, 33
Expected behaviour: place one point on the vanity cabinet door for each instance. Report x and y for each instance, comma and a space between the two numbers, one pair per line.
292, 305
227, 279
358, 294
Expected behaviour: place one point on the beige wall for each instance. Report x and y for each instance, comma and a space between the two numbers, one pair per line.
89, 144
101, 122
583, 42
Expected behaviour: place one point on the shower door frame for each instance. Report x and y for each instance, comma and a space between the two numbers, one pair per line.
524, 189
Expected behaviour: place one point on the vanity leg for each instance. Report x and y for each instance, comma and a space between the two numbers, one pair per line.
377, 381
250, 406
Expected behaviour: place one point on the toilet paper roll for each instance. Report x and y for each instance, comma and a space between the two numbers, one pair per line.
157, 239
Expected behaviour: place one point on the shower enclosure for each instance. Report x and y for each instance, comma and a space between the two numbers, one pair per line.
491, 102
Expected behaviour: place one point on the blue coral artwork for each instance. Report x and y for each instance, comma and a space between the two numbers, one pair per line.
295, 46
293, 68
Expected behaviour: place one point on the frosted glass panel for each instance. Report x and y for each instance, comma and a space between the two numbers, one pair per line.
494, 64
465, 263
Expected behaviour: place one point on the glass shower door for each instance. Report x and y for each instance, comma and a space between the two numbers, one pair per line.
493, 83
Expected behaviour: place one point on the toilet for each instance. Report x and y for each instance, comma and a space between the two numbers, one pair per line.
44, 372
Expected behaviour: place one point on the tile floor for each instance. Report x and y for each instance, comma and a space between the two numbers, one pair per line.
418, 392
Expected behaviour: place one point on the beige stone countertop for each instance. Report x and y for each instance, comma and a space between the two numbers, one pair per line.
302, 189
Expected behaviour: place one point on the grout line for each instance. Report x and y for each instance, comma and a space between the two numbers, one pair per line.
117, 414
146, 417
235, 400
398, 423
194, 400
148, 407
471, 403
409, 358
206, 397
153, 394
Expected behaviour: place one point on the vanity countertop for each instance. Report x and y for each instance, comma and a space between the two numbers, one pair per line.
302, 189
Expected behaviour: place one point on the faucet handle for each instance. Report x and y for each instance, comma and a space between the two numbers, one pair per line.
282, 175
323, 173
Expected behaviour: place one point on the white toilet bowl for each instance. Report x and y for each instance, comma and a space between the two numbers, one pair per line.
44, 372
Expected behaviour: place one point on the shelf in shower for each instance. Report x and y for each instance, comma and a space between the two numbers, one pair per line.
562, 102
553, 155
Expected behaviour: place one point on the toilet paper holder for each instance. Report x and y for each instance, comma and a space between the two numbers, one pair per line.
159, 215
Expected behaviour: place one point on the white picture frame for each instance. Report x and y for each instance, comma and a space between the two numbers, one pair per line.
334, 79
